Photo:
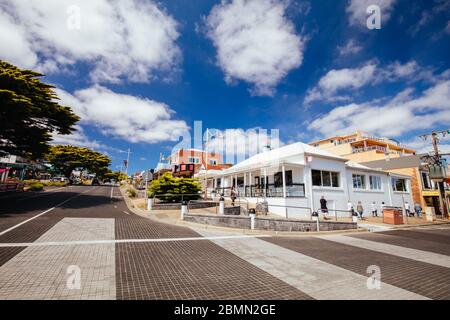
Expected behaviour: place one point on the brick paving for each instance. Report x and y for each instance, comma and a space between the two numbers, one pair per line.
193, 270
419, 277
397, 239
302, 268
419, 235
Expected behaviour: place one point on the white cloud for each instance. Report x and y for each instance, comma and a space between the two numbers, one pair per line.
124, 116
357, 15
349, 48
255, 42
238, 144
370, 73
447, 28
425, 146
401, 114
121, 39
80, 139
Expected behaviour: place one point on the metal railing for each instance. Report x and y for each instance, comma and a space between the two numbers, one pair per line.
268, 191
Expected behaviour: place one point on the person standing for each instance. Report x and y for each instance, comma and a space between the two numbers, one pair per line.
408, 210
383, 205
233, 196
374, 209
418, 209
360, 210
323, 206
350, 208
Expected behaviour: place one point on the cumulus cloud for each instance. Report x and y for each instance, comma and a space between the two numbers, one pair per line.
357, 15
351, 47
123, 116
424, 111
424, 146
238, 144
80, 139
255, 42
121, 39
371, 73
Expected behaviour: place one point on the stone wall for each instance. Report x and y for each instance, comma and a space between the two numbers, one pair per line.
241, 222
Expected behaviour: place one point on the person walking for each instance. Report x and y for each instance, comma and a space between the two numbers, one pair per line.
374, 209
323, 207
408, 210
418, 209
360, 210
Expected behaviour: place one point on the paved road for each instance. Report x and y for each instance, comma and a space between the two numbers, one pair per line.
84, 243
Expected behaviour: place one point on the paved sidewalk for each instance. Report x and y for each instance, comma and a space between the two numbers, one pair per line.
42, 272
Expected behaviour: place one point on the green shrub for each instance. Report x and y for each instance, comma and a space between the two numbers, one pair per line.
36, 187
170, 189
132, 193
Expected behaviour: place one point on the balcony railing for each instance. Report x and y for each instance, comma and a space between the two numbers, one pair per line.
269, 191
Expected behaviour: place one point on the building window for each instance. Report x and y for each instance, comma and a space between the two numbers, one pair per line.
194, 160
359, 181
213, 162
278, 178
399, 184
325, 178
426, 181
375, 182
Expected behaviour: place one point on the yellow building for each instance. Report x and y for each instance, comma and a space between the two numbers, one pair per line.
363, 147
388, 155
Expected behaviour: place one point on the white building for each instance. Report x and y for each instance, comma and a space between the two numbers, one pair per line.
293, 179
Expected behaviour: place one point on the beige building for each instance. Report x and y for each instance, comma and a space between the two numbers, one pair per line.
363, 147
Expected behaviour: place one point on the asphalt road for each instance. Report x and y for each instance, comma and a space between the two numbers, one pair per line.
83, 242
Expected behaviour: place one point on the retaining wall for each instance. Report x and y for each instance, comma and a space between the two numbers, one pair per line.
269, 224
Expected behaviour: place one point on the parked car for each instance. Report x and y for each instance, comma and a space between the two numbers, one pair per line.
60, 179
95, 182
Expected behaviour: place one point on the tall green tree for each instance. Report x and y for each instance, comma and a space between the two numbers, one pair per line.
170, 188
29, 113
65, 159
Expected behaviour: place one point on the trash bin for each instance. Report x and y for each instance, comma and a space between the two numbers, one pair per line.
393, 215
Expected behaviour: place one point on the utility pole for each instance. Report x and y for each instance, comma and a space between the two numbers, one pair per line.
128, 162
206, 163
439, 162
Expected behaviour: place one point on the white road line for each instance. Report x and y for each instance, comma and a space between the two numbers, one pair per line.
413, 254
42, 213
125, 212
90, 242
112, 189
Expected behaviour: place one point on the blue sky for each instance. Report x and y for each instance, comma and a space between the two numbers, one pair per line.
140, 73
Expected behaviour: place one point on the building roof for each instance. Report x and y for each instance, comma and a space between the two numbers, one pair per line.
412, 161
293, 154
359, 166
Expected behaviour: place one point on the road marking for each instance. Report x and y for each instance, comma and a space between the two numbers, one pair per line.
125, 212
42, 213
318, 279
112, 189
91, 242
413, 254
